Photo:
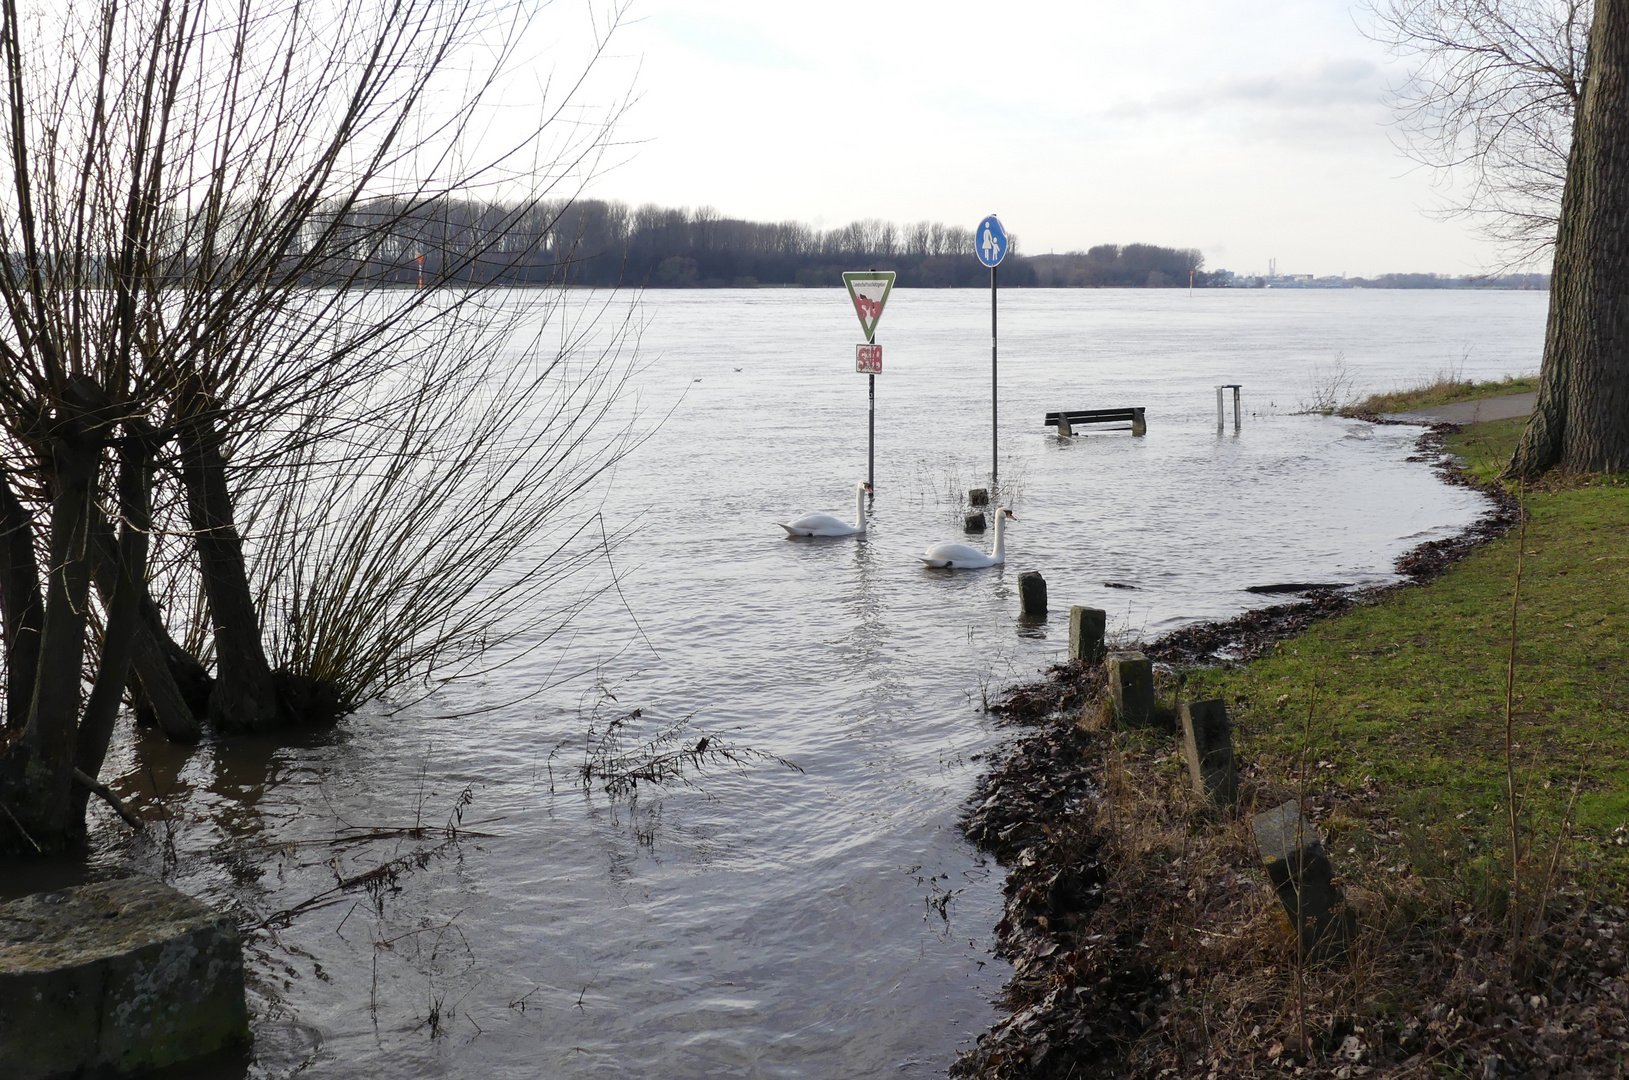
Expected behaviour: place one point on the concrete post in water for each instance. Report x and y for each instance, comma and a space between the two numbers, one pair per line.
1086, 626
1032, 595
1139, 423
1131, 687
1301, 875
1236, 412
974, 522
120, 976
1063, 424
979, 497
1221, 414
1207, 743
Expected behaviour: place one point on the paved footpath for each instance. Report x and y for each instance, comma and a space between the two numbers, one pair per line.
1505, 407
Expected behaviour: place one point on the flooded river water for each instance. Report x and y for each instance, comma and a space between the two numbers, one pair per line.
825, 920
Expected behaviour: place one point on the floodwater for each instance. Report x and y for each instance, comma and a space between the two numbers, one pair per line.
825, 920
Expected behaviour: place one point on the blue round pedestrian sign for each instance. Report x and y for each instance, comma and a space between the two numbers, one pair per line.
990, 241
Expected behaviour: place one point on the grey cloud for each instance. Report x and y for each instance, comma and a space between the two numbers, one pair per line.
1335, 83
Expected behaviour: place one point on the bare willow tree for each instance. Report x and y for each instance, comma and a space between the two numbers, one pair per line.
209, 401
1489, 99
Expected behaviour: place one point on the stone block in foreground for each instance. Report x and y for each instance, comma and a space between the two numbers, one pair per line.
118, 976
1304, 880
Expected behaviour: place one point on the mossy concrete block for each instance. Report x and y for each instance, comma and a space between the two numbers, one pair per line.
1131, 688
979, 497
116, 977
1032, 595
1086, 629
974, 522
1207, 744
1302, 876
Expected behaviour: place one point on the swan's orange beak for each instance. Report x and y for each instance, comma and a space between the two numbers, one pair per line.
1011, 516
868, 490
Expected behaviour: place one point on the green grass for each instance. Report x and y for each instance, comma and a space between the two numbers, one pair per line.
1410, 691
1484, 449
1444, 390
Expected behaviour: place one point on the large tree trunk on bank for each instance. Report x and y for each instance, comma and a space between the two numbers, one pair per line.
243, 698
1581, 420
22, 608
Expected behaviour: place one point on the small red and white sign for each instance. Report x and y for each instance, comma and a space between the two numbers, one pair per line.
868, 359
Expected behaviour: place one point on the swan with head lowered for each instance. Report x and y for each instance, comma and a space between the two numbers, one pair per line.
826, 524
949, 556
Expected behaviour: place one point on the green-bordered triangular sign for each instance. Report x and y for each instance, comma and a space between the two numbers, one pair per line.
869, 290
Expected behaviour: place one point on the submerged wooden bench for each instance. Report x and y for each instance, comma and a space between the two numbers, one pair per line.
1065, 421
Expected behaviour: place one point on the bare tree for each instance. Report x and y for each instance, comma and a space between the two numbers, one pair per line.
197, 200
1489, 101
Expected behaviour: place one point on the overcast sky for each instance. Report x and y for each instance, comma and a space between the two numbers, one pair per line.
1251, 129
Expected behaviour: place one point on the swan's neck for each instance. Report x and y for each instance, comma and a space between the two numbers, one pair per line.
1001, 537
859, 510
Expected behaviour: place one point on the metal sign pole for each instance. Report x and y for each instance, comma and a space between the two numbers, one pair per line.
869, 291
995, 429
990, 243
871, 437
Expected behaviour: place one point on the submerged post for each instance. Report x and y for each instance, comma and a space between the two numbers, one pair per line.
871, 435
1236, 389
1221, 414
1032, 595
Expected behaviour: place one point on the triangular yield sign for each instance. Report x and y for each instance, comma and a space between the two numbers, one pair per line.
869, 290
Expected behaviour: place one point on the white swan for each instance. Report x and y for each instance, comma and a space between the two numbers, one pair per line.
950, 556
826, 525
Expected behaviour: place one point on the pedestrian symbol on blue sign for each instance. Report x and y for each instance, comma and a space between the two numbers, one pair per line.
990, 241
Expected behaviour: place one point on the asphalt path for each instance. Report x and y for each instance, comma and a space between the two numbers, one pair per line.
1504, 407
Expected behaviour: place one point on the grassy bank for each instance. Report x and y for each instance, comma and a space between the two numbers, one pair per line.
1442, 390
1408, 695
1170, 956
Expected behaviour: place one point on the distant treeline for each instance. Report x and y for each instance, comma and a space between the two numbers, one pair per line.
598, 243
592, 242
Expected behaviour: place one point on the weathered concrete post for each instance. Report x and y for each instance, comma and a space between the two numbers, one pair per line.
979, 497
974, 522
1207, 743
1063, 424
1301, 875
1139, 422
1086, 627
120, 976
1032, 595
1131, 688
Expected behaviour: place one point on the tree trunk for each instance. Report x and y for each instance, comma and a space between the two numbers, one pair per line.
165, 680
123, 621
47, 744
1581, 420
243, 697
22, 608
